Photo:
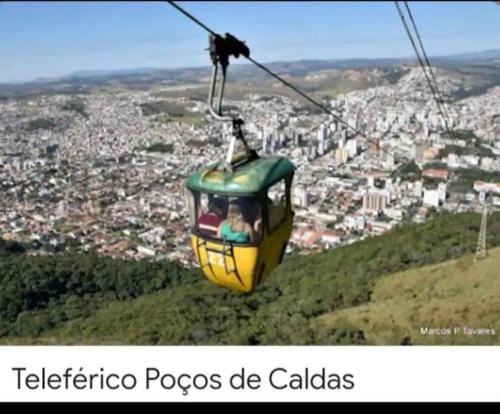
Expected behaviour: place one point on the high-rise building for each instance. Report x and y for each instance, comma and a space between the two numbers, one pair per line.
264, 143
341, 154
312, 151
442, 192
352, 147
276, 139
321, 148
374, 202
343, 134
301, 197
322, 133
418, 152
341, 142
418, 188
259, 133
297, 139
281, 138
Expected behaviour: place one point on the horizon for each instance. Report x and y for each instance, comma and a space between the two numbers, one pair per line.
112, 72
54, 40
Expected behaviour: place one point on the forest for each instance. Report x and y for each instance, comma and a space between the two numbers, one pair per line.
81, 298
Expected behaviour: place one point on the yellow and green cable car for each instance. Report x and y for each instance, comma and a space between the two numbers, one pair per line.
258, 190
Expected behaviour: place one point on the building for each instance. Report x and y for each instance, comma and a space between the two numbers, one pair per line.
264, 142
352, 147
418, 152
442, 192
300, 197
431, 198
341, 154
435, 173
481, 186
374, 147
356, 222
487, 164
453, 160
430, 153
374, 202
418, 189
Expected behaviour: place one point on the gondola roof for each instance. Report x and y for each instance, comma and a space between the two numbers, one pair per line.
248, 179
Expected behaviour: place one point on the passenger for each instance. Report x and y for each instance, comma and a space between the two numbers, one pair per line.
251, 213
210, 221
235, 229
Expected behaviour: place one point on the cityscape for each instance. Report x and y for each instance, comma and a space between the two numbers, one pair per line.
105, 171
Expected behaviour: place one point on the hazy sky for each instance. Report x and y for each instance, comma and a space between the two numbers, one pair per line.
50, 39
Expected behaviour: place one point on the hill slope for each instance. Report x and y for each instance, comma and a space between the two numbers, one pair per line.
450, 296
84, 299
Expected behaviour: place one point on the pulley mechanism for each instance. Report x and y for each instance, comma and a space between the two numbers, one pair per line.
221, 49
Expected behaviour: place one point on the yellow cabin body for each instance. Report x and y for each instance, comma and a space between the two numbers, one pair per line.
242, 267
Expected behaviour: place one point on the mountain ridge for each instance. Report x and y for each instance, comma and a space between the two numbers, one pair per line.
293, 67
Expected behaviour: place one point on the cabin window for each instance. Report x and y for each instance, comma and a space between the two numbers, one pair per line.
211, 212
234, 219
190, 199
277, 204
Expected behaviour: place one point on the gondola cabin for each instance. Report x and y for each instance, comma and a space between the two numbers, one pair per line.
241, 219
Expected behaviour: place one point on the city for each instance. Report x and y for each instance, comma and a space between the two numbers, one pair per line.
100, 172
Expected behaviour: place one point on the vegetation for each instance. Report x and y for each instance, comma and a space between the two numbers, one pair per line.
195, 143
455, 294
436, 164
191, 118
76, 105
466, 177
40, 292
40, 123
80, 298
432, 182
460, 151
343, 86
464, 134
161, 147
166, 107
394, 74
408, 172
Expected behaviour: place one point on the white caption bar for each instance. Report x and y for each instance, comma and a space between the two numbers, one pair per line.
270, 373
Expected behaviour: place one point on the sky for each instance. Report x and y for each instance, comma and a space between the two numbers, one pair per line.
53, 39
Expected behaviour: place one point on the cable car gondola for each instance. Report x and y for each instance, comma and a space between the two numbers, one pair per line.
240, 208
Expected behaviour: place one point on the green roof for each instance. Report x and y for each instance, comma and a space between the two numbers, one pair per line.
248, 178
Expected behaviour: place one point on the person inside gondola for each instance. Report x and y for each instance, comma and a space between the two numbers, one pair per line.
209, 221
251, 213
235, 229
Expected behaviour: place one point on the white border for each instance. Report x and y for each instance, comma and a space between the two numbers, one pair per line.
380, 373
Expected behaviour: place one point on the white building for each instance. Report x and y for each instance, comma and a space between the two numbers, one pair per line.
431, 198
442, 192
418, 189
352, 147
300, 197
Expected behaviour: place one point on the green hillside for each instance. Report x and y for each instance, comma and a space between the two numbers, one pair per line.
457, 294
318, 299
